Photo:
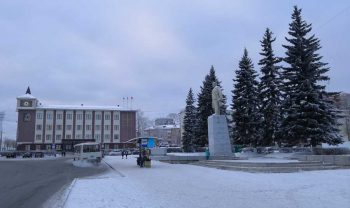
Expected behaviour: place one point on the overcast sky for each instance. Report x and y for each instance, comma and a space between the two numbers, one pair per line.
97, 52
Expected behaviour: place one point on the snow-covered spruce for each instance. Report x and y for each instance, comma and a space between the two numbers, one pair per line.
309, 117
269, 90
189, 123
245, 103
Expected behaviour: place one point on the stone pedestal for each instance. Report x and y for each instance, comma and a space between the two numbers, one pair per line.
219, 140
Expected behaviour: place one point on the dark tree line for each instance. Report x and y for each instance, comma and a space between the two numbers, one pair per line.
287, 105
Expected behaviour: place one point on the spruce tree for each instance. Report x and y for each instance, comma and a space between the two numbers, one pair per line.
269, 90
309, 117
245, 104
189, 123
205, 109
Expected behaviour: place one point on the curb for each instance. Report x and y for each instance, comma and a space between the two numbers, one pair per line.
67, 193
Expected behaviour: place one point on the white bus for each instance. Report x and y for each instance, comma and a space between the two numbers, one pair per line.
89, 151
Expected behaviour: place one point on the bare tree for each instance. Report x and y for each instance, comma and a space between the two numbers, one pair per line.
143, 122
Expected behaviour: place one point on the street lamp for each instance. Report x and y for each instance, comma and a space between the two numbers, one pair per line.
2, 115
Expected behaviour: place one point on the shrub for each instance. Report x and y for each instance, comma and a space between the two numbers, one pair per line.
331, 151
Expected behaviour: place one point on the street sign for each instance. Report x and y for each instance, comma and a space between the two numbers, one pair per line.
151, 143
144, 142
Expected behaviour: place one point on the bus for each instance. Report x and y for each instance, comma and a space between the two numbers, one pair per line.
89, 151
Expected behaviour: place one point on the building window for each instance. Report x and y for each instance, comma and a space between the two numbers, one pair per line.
69, 116
116, 116
107, 128
78, 127
97, 136
28, 147
79, 116
39, 115
48, 146
68, 136
49, 127
97, 127
78, 136
88, 127
88, 116
58, 137
38, 137
59, 127
98, 116
58, 147
48, 116
107, 117
88, 136
116, 127
106, 137
38, 127
37, 147
116, 136
69, 127
59, 116
106, 146
48, 137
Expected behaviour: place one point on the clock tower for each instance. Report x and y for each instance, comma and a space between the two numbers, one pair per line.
26, 108
26, 101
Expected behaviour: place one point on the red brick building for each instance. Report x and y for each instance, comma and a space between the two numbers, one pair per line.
46, 127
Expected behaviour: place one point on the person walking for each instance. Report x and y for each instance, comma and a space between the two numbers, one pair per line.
126, 154
207, 153
123, 154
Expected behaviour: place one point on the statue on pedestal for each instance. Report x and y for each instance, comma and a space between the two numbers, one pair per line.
216, 98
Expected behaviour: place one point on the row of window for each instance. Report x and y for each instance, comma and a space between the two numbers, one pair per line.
79, 116
48, 137
78, 127
67, 147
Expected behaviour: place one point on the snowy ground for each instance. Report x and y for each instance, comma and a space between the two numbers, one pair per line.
175, 185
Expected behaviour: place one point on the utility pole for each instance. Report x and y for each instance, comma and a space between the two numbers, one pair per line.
2, 115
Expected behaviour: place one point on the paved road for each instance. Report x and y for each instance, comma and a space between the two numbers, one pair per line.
30, 183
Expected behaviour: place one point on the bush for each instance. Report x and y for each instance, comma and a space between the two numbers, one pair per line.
331, 151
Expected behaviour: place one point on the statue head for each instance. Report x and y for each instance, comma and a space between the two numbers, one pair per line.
214, 84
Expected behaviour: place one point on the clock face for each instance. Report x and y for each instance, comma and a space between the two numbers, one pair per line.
26, 103
27, 117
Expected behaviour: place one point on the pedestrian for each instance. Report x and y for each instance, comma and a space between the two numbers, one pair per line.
126, 154
207, 153
123, 154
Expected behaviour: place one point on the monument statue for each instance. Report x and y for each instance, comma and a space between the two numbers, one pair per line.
218, 136
216, 95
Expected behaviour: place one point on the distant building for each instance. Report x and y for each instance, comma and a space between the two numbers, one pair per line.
342, 102
170, 134
46, 127
164, 121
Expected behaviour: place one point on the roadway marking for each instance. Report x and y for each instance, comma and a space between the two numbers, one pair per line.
119, 173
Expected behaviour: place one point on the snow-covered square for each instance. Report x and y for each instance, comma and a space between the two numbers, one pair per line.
180, 185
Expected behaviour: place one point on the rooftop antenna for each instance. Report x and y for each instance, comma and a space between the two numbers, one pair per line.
131, 99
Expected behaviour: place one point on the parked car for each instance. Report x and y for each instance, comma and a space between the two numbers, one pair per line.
27, 155
115, 153
39, 154
11, 155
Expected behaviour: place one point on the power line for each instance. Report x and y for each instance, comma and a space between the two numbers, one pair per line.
332, 18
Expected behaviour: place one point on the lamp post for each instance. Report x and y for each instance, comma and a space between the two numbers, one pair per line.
2, 115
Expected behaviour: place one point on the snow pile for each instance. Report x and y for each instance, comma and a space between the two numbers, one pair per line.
172, 186
84, 164
187, 153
